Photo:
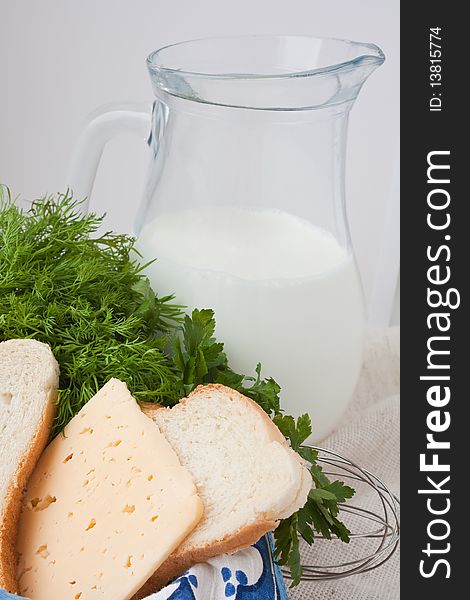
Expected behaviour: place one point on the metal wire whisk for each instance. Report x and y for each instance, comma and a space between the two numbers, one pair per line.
375, 530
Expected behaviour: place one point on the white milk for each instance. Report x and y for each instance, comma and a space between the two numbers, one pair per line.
285, 294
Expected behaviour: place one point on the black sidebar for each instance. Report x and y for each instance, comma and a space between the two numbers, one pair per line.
435, 259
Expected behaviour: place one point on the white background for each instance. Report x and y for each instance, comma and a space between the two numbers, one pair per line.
60, 59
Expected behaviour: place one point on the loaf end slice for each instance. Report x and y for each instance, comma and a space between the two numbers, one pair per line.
29, 377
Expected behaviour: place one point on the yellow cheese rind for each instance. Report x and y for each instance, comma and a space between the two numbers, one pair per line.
108, 502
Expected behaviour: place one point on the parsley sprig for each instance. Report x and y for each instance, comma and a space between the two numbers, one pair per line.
320, 513
201, 359
85, 295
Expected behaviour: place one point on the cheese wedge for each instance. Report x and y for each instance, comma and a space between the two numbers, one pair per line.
107, 503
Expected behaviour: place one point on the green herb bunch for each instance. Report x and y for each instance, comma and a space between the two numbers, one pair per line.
86, 296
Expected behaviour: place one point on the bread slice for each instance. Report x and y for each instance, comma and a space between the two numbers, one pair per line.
28, 388
247, 475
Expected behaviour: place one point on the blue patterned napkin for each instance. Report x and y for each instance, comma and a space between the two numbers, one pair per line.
250, 574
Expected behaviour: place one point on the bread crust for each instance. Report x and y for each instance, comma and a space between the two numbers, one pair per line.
11, 510
149, 408
12, 506
274, 432
180, 561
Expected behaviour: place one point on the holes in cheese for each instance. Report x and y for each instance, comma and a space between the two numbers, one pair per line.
42, 551
42, 503
109, 524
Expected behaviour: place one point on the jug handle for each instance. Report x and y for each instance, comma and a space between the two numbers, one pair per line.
104, 124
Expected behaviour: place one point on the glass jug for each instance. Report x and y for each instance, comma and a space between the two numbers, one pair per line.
244, 203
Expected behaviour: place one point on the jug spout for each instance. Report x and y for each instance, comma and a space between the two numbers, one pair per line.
352, 75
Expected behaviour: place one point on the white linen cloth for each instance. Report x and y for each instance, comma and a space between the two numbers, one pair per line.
369, 435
